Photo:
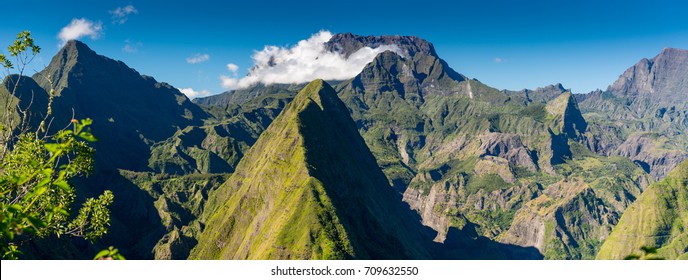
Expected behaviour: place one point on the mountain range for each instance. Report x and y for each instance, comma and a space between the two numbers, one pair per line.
407, 160
644, 112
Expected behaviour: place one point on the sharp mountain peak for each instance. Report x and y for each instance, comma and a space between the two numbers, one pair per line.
76, 46
321, 93
76, 61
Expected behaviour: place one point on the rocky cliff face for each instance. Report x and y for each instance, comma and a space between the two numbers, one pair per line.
468, 157
568, 118
652, 151
655, 83
385, 100
568, 221
650, 97
563, 216
509, 147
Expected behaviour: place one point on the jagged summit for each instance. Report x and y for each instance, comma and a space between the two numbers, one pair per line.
348, 43
649, 102
540, 94
557, 86
662, 79
411, 78
418, 54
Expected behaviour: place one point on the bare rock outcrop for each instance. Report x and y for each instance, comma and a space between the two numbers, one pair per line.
509, 147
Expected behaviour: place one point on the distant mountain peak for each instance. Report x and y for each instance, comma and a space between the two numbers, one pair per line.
115, 95
390, 70
650, 96
665, 74
569, 118
674, 51
557, 89
559, 86
348, 44
76, 61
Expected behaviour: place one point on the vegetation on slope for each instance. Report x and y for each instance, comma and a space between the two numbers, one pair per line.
308, 188
658, 219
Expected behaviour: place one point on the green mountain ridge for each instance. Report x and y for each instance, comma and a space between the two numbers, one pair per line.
308, 189
657, 219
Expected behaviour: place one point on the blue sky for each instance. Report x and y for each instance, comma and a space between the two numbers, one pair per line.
506, 44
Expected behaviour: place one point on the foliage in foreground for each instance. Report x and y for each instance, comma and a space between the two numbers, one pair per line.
35, 167
35, 196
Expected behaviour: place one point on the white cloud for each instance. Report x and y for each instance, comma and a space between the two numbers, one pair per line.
191, 93
233, 67
198, 58
498, 59
304, 62
121, 14
131, 47
229, 82
79, 28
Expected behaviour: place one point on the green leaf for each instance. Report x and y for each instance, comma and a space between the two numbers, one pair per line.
36, 222
63, 185
40, 190
22, 179
52, 147
47, 172
87, 136
102, 254
64, 133
14, 208
43, 182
